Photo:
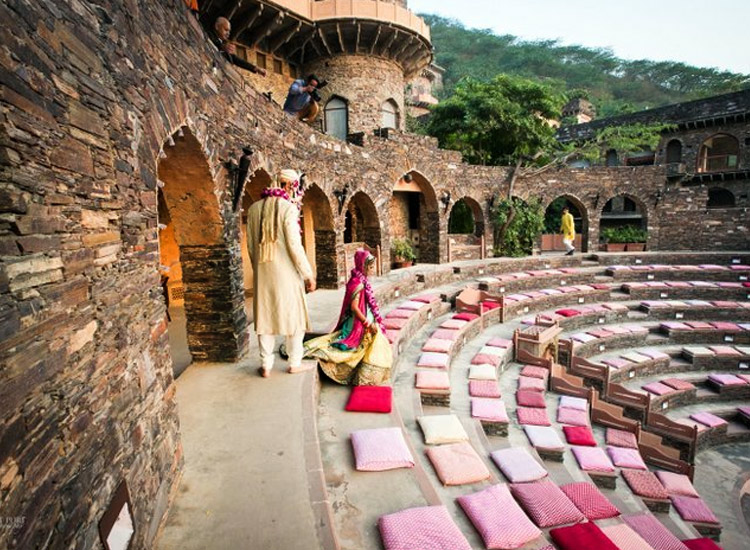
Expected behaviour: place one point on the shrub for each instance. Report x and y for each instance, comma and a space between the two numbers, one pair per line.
402, 248
624, 234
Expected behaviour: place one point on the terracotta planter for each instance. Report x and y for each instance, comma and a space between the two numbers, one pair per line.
615, 247
635, 247
399, 263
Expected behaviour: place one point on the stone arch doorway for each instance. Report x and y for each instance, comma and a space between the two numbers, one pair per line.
414, 216
254, 186
620, 213
201, 282
552, 238
465, 230
361, 225
319, 236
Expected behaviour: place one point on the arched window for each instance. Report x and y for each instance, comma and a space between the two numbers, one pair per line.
674, 151
336, 118
389, 114
719, 197
719, 152
612, 158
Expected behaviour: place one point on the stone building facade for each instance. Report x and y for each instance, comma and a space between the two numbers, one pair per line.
108, 109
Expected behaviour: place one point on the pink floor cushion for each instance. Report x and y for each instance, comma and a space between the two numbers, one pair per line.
482, 372
442, 428
626, 458
654, 532
677, 484
724, 325
433, 380
745, 377
678, 284
375, 399
617, 362
619, 329
546, 504
544, 438
724, 303
427, 298
517, 464
484, 388
433, 360
465, 316
570, 402
654, 303
446, 334
693, 509
636, 357
573, 417
500, 343
701, 325
412, 305
621, 438
517, 297
708, 419
486, 359
654, 353
437, 345
675, 325
726, 380
600, 332
381, 449
532, 371
532, 416
590, 501
583, 337
529, 383
492, 410
678, 384
395, 323
744, 411
529, 398
492, 350
625, 538
426, 528
401, 314
645, 484
657, 388
701, 544
724, 351
568, 312
499, 520
454, 324
579, 435
592, 459
457, 464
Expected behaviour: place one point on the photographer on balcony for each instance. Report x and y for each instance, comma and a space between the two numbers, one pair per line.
302, 99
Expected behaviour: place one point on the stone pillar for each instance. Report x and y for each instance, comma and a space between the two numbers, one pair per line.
429, 237
214, 303
325, 258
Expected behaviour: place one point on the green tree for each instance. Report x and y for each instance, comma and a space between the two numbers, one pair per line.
524, 222
461, 220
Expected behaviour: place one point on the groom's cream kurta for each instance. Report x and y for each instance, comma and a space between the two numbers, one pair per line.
279, 285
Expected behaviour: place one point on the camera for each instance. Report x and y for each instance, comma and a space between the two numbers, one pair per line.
314, 94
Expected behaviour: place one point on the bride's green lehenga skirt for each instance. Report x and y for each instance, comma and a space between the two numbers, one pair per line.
367, 365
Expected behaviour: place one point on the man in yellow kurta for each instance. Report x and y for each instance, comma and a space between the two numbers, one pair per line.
568, 230
281, 272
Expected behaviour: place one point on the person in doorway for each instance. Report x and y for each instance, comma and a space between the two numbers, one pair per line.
567, 228
281, 271
220, 38
300, 100
357, 351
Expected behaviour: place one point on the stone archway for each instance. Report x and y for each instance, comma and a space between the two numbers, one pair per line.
361, 224
551, 238
319, 236
213, 300
414, 216
465, 230
623, 210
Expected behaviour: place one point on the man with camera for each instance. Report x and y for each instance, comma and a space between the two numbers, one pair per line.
303, 98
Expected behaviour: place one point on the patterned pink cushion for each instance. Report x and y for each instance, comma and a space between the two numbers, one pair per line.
485, 408
529, 398
625, 538
677, 484
486, 359
532, 371
678, 384
693, 509
626, 458
446, 334
657, 388
437, 345
457, 464
573, 417
426, 528
593, 459
531, 416
498, 518
545, 503
518, 465
484, 388
654, 532
454, 324
529, 383
395, 323
621, 438
645, 484
500, 343
590, 501
400, 314
433, 360
381, 449
726, 380
433, 380
708, 419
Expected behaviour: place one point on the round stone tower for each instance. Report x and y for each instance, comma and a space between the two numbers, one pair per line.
365, 49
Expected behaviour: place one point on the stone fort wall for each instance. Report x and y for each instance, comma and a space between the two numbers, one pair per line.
92, 96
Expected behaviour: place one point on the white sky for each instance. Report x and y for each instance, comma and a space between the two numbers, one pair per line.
713, 33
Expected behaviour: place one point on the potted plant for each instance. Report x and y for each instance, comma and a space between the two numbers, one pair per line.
403, 253
619, 239
636, 240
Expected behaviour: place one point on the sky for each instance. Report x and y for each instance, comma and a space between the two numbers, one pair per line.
703, 33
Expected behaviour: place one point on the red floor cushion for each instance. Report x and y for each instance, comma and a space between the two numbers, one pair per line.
579, 435
465, 316
583, 535
701, 544
370, 399
568, 312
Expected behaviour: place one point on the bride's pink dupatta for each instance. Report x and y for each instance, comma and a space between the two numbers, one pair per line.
366, 300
